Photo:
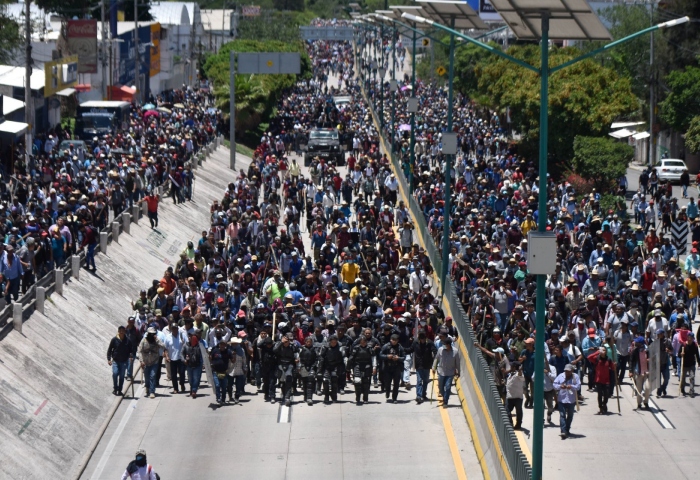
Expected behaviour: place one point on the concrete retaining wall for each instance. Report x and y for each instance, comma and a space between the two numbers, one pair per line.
55, 384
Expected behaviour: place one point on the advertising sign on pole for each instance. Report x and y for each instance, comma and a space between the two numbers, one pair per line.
82, 41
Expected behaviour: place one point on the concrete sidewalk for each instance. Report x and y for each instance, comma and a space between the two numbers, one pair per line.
646, 444
56, 384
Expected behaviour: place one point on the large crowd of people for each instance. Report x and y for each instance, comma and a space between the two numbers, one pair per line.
307, 282
310, 281
59, 197
621, 293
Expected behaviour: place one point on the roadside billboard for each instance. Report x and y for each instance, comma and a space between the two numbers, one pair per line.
82, 41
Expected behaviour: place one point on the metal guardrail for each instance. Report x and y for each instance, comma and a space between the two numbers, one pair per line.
48, 281
515, 458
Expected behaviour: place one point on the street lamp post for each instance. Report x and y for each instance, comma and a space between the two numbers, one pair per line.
413, 110
544, 72
382, 72
448, 169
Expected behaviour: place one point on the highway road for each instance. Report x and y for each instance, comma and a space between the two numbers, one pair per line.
187, 438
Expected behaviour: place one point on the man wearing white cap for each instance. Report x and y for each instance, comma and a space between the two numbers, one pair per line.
566, 385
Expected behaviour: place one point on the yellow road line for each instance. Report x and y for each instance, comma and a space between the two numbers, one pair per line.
482, 403
523, 445
475, 438
451, 440
485, 411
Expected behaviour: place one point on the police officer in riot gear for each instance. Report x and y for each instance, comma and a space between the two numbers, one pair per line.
392, 355
363, 363
268, 369
307, 369
287, 357
330, 364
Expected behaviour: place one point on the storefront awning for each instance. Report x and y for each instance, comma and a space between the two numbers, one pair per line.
123, 93
10, 129
66, 92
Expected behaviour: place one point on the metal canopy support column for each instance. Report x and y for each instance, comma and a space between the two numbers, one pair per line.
538, 405
381, 79
232, 109
448, 168
393, 91
412, 166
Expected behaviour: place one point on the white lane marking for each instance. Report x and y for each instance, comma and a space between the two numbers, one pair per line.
284, 414
658, 414
660, 417
115, 437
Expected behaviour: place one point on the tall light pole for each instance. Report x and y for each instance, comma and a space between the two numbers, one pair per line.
103, 49
137, 63
544, 72
28, 104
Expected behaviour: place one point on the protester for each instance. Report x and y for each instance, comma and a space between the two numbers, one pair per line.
566, 384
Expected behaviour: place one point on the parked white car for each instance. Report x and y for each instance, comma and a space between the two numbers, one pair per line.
670, 169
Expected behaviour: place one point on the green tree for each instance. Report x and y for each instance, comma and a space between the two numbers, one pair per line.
297, 5
692, 136
583, 98
71, 8
10, 37
680, 45
256, 95
601, 160
683, 100
630, 59
467, 57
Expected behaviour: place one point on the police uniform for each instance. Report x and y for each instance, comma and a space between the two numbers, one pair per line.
362, 361
330, 365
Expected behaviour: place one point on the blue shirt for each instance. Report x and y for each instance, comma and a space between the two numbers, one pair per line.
567, 395
529, 362
11, 272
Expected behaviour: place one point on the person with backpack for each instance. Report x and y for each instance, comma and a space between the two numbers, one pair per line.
140, 469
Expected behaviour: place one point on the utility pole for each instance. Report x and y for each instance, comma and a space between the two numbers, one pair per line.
137, 63
104, 51
223, 24
28, 104
652, 142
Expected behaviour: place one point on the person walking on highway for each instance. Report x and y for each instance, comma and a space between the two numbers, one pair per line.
152, 200
236, 370
192, 359
447, 365
639, 371
12, 271
220, 357
287, 358
307, 369
119, 353
139, 468
515, 389
392, 355
149, 352
424, 352
567, 385
362, 362
602, 366
689, 358
175, 340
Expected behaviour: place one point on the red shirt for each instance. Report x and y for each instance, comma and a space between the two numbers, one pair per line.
152, 202
602, 368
